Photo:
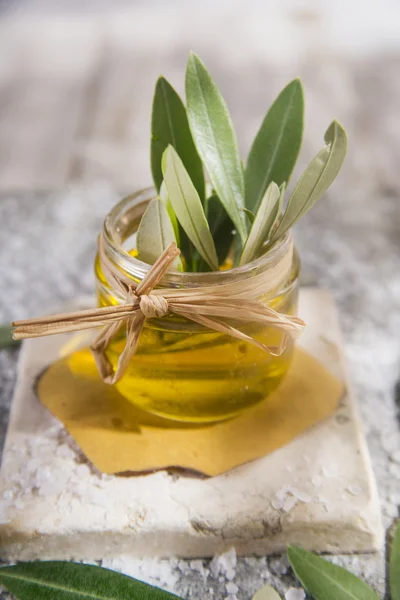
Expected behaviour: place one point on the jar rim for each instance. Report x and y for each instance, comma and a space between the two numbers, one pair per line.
137, 268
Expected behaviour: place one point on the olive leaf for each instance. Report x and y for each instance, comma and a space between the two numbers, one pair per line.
187, 206
261, 226
325, 581
222, 229
276, 147
277, 212
251, 216
163, 195
169, 125
71, 581
221, 226
185, 245
266, 593
6, 338
155, 233
215, 139
394, 570
316, 179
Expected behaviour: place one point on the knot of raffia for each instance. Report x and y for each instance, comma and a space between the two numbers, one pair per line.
211, 308
153, 306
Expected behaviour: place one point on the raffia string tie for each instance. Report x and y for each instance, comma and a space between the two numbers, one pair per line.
153, 306
212, 306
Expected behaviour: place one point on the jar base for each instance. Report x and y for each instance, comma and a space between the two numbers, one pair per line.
210, 408
188, 420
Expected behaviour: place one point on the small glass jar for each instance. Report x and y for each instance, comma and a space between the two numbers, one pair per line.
182, 370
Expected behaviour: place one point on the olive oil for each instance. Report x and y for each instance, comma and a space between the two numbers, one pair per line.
184, 372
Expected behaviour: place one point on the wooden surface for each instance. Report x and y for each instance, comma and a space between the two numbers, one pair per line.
66, 104
76, 85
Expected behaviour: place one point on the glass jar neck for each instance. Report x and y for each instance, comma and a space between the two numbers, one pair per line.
119, 231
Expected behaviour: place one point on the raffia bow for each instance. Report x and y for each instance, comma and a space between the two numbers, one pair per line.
210, 307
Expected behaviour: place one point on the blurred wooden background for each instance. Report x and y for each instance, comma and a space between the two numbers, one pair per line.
77, 78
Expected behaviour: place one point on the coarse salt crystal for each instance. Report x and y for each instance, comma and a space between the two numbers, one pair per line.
82, 471
184, 567
231, 588
302, 496
289, 503
224, 564
251, 561
330, 471
278, 566
355, 489
277, 503
197, 565
317, 480
295, 594
64, 451
288, 497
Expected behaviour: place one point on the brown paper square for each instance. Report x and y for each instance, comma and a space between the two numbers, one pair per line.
117, 437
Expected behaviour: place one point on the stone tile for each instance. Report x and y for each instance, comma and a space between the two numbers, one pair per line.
318, 491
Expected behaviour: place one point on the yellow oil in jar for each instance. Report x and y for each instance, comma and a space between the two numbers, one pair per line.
183, 372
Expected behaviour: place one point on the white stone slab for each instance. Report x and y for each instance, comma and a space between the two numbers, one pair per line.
318, 491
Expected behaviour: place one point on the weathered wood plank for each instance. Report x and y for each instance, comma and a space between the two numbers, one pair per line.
38, 124
43, 72
114, 136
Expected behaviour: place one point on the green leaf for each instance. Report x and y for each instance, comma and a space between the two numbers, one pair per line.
70, 581
279, 209
187, 206
215, 140
266, 593
169, 125
263, 222
185, 245
316, 179
222, 229
277, 212
221, 226
163, 194
155, 233
276, 147
325, 581
251, 216
394, 570
6, 338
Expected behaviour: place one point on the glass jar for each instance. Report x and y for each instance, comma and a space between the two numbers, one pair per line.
182, 370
